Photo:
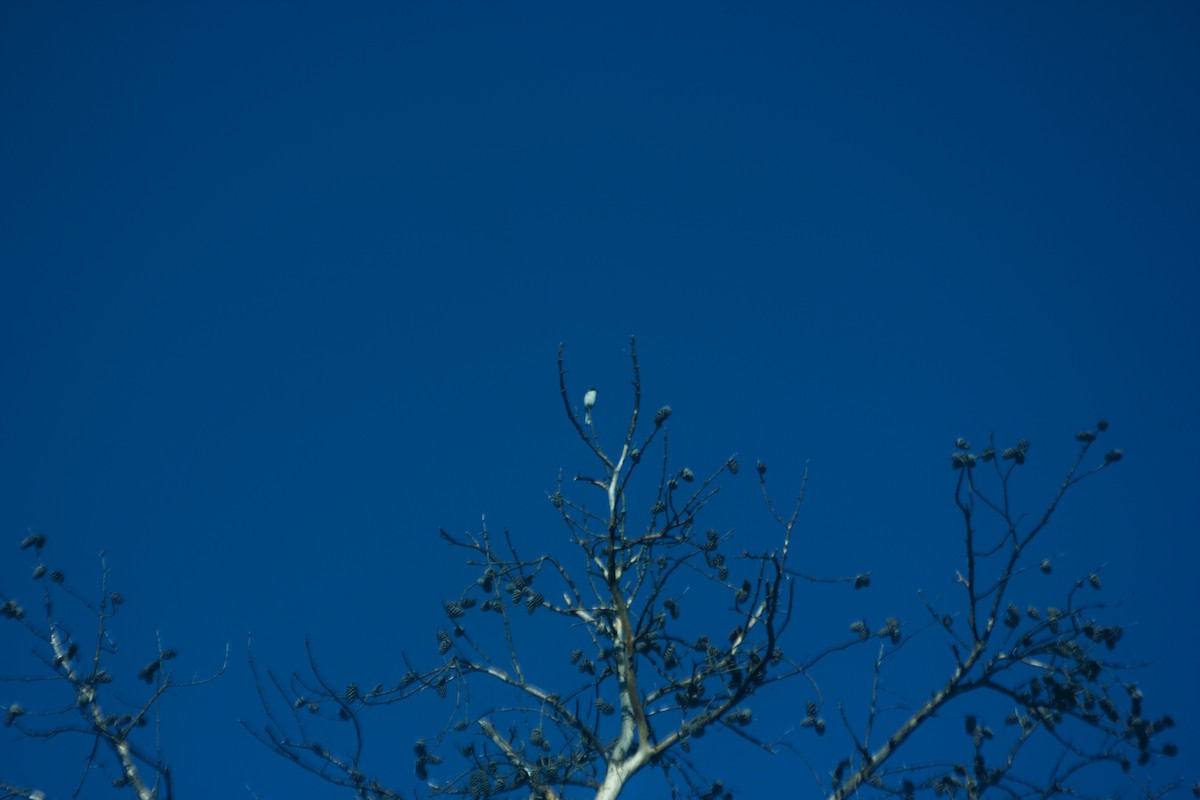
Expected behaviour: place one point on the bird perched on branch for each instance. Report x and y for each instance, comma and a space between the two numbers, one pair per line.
589, 401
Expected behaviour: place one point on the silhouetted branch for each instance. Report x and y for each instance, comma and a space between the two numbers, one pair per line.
118, 729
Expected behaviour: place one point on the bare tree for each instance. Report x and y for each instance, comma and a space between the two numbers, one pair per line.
648, 684
77, 695
1034, 692
1051, 669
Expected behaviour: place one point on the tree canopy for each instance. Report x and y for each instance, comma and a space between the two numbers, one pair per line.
575, 671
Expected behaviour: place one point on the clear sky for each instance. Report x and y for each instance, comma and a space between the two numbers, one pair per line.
281, 288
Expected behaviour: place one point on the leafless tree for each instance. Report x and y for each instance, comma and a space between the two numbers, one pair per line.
1052, 669
648, 683
75, 694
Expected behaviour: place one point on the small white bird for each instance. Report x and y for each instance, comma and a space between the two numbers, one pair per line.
589, 401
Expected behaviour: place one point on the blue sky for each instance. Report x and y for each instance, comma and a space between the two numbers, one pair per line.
282, 289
